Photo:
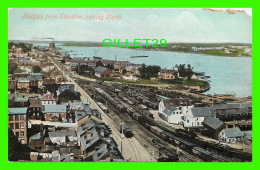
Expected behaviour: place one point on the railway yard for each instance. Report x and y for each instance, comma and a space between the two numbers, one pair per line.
129, 104
146, 138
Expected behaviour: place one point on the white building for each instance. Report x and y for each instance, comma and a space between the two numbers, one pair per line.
231, 135
174, 110
196, 116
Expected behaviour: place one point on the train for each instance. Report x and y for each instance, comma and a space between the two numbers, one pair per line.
126, 130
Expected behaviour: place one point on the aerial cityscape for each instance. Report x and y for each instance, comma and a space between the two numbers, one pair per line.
73, 99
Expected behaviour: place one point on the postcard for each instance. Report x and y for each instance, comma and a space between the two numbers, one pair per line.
130, 85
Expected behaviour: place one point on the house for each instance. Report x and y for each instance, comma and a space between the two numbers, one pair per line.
56, 75
37, 141
213, 127
55, 112
63, 137
23, 84
133, 70
18, 100
48, 99
17, 122
34, 109
194, 117
77, 105
168, 74
95, 141
174, 110
231, 135
102, 72
121, 65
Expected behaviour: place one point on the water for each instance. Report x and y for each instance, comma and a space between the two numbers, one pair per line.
229, 75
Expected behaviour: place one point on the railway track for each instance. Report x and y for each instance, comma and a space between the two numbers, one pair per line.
198, 142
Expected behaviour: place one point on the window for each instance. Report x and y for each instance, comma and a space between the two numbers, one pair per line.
22, 125
16, 125
16, 117
21, 117
11, 118
17, 134
198, 123
22, 134
11, 125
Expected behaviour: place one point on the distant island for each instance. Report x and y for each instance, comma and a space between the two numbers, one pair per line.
217, 49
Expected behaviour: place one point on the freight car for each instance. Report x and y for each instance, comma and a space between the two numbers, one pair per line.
147, 113
185, 134
126, 130
137, 116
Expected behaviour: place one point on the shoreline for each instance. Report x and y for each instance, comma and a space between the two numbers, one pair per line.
78, 45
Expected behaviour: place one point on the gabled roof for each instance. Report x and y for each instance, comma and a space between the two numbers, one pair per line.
100, 69
200, 112
17, 111
212, 122
48, 97
233, 132
35, 102
59, 108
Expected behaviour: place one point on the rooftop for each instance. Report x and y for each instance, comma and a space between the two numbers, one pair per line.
17, 111
233, 132
212, 122
59, 108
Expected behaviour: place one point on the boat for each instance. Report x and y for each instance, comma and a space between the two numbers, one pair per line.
139, 56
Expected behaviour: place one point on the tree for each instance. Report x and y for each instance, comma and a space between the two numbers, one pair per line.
36, 69
13, 146
99, 63
124, 71
185, 72
189, 71
149, 71
82, 69
11, 68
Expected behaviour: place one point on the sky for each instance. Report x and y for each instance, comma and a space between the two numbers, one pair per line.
172, 24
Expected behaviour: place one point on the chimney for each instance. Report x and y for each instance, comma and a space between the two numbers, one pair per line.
89, 134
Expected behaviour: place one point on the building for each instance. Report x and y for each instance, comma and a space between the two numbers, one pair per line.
194, 117
48, 99
17, 122
233, 111
55, 112
63, 137
133, 70
213, 126
95, 141
23, 85
173, 110
102, 72
231, 135
77, 105
18, 100
168, 74
34, 109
